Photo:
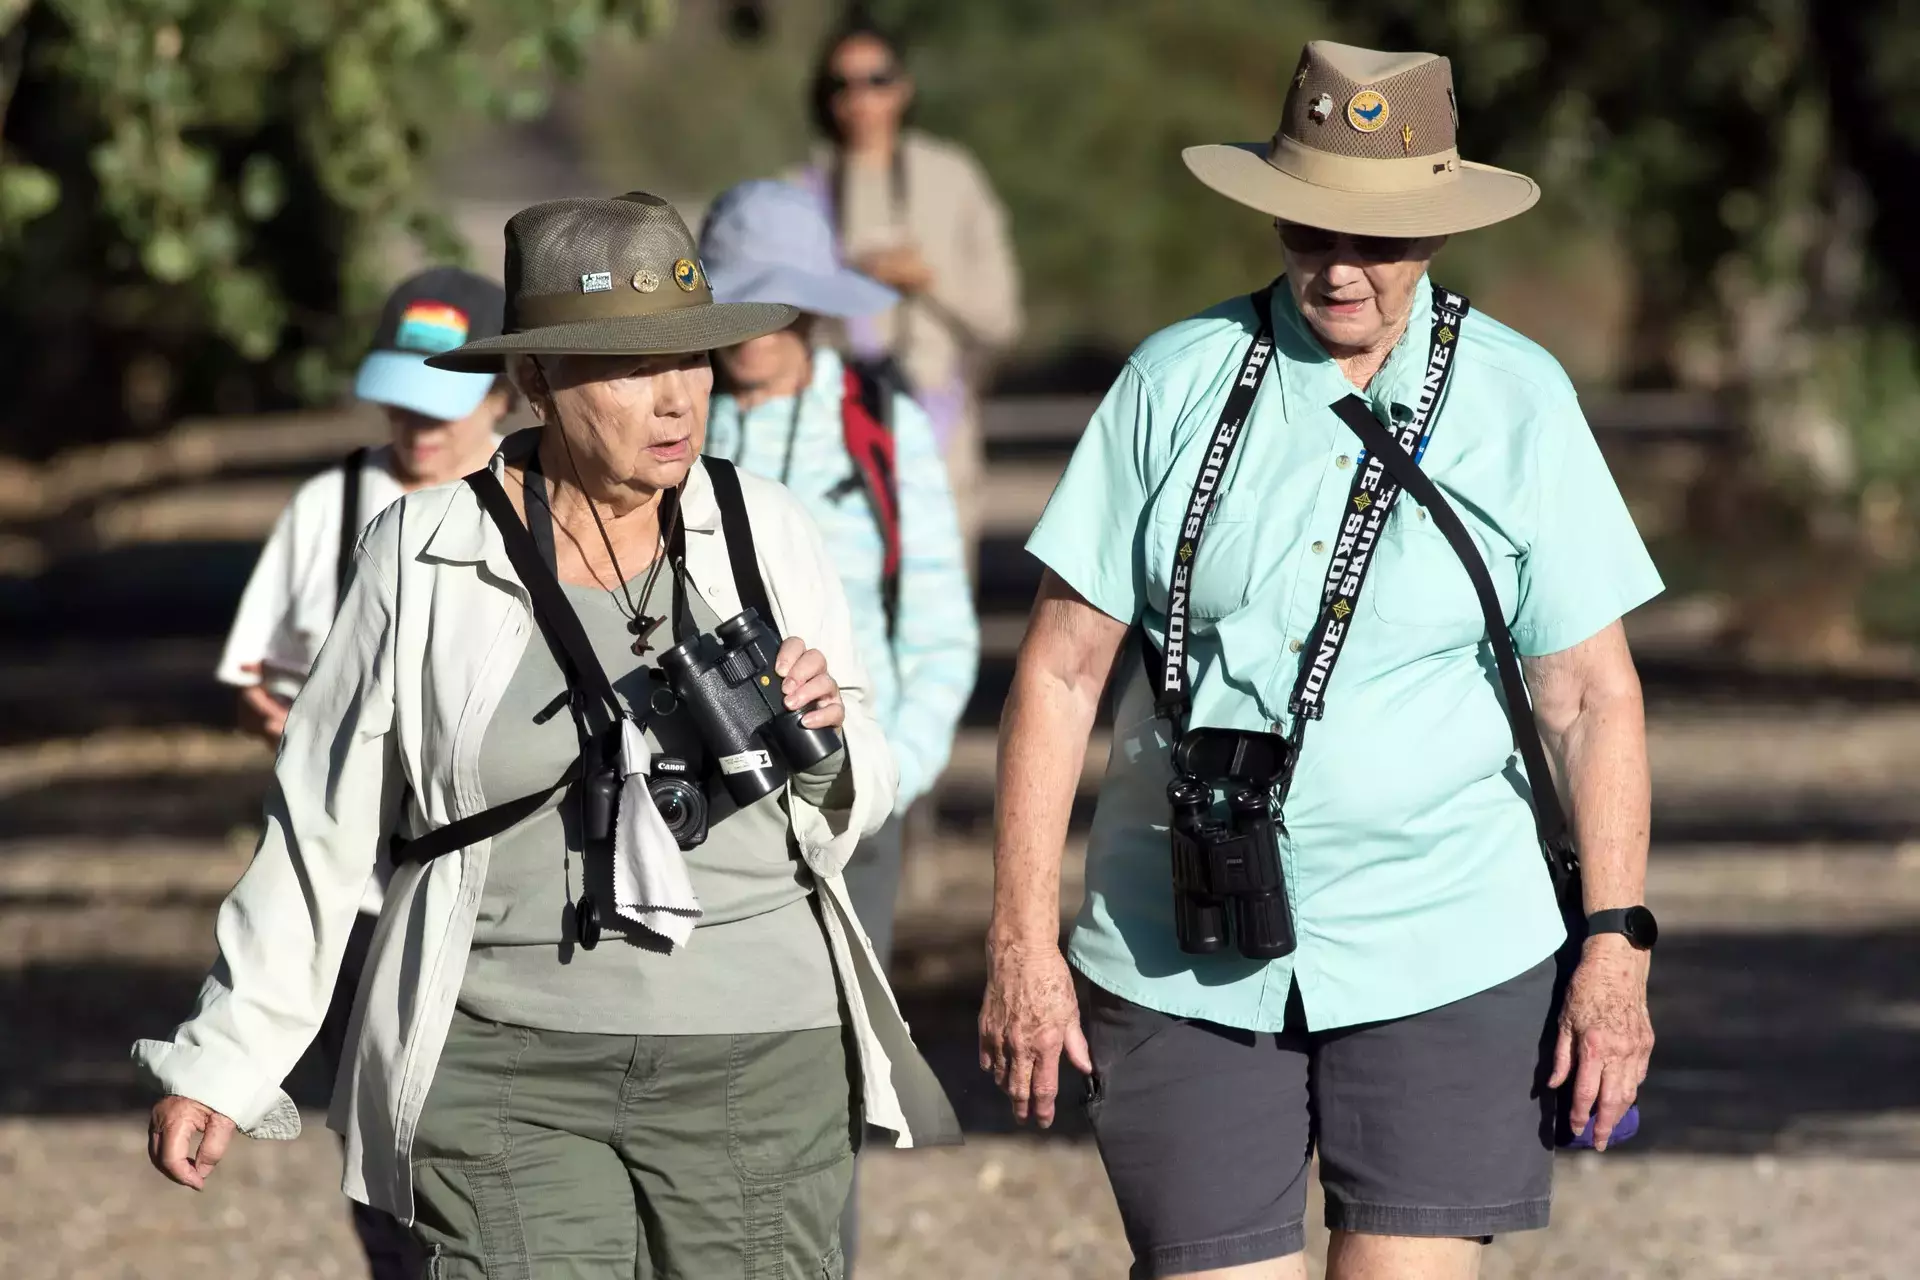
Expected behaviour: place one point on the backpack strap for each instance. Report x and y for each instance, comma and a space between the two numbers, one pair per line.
355, 463
738, 531
866, 424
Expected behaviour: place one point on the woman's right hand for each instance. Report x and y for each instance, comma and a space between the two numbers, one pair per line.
262, 713
1028, 1018
170, 1133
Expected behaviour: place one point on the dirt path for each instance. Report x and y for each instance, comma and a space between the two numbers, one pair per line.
999, 1208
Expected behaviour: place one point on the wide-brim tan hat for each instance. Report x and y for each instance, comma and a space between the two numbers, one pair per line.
609, 277
1366, 145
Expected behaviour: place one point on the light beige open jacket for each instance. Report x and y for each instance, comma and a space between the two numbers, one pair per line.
386, 735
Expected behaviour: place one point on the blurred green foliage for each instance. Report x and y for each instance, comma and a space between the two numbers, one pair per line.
1728, 203
196, 195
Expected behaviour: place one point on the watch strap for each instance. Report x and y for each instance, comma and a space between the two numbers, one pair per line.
1614, 920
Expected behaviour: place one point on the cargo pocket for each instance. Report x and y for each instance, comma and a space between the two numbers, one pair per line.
467, 1211
793, 1225
788, 1104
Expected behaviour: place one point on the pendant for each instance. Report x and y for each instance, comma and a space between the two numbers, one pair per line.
643, 626
586, 922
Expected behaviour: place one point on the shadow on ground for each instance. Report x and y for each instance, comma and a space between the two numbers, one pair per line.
1767, 1041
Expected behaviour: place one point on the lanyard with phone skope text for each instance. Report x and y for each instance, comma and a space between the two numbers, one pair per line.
1368, 505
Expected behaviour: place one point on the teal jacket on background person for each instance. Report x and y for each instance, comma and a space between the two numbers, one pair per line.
922, 678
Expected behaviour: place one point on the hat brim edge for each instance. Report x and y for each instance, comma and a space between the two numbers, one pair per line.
682, 331
1481, 196
404, 380
842, 294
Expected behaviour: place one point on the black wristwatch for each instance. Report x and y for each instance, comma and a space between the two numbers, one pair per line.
1637, 923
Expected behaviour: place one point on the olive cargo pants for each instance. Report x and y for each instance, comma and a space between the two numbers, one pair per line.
550, 1155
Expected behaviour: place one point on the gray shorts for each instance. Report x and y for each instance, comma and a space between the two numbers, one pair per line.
1436, 1124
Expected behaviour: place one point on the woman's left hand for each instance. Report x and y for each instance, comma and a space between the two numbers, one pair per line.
805, 683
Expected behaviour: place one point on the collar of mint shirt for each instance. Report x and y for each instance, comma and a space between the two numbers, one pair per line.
1405, 832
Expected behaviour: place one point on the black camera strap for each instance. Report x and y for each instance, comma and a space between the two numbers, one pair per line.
1369, 502
556, 618
1167, 669
530, 554
1549, 817
738, 531
568, 639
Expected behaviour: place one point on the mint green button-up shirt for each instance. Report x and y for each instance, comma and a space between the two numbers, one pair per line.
1410, 855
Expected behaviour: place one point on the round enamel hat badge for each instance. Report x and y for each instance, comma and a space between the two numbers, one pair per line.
686, 274
1367, 111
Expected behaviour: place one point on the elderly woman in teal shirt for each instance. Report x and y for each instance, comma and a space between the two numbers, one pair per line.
1410, 1037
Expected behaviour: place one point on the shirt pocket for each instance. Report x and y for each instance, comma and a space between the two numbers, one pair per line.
1223, 568
1418, 581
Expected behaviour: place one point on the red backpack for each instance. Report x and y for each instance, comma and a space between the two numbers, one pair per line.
866, 422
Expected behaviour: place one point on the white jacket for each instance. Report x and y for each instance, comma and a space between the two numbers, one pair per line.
386, 736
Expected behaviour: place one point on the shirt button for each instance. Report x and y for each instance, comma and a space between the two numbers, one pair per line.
1319, 548
1423, 513
1343, 462
1293, 646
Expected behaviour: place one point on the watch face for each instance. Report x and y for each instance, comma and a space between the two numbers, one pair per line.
1642, 929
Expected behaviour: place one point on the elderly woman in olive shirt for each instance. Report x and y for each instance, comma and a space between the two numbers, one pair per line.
679, 1099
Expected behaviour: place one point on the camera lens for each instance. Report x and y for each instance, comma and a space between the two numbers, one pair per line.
681, 806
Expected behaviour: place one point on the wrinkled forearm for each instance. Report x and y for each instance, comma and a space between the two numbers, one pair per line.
1602, 760
1043, 743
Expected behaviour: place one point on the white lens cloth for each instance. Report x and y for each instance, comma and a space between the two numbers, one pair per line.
651, 886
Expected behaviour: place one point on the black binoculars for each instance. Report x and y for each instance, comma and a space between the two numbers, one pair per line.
1228, 884
728, 685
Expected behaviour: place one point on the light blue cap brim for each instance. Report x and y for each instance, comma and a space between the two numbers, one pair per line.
843, 294
403, 379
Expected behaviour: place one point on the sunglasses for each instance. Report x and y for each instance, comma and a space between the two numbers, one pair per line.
1316, 241
885, 79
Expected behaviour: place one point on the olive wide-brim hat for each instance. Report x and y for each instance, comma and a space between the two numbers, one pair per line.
1366, 145
609, 277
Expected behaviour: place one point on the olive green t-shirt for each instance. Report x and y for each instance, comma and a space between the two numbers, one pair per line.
757, 962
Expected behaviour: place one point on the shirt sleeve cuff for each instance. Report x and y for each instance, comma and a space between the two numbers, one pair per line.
1058, 554
1536, 640
223, 1081
827, 832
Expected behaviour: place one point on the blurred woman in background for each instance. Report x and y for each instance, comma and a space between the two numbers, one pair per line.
917, 214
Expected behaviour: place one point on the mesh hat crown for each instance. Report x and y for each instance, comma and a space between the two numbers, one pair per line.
1366, 145
609, 277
